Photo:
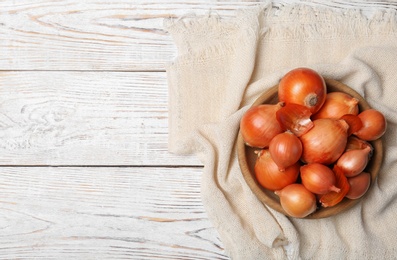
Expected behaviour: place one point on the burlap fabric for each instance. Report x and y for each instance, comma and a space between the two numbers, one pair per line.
223, 65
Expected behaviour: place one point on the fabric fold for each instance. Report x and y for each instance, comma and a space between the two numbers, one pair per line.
224, 64
210, 56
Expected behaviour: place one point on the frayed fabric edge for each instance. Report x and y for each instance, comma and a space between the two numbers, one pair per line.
292, 21
191, 22
300, 21
296, 21
289, 22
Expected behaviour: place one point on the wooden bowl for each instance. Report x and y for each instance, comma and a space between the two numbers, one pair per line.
247, 157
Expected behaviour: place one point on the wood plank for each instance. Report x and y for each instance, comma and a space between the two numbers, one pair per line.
91, 35
85, 118
104, 213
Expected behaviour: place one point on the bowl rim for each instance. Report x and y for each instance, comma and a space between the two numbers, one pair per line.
374, 164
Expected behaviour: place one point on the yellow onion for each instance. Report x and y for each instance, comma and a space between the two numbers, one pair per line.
268, 174
297, 201
303, 86
359, 185
318, 178
374, 125
285, 149
259, 125
325, 142
354, 161
336, 105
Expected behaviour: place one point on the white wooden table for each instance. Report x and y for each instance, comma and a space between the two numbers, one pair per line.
85, 172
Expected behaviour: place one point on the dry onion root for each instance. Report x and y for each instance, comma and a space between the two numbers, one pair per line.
337, 104
315, 145
303, 86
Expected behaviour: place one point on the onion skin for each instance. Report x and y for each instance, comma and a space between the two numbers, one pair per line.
359, 185
336, 105
295, 118
297, 201
318, 178
374, 125
354, 142
285, 149
332, 198
325, 142
354, 123
303, 86
269, 176
259, 125
353, 162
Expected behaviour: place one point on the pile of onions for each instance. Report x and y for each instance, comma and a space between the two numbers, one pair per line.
313, 146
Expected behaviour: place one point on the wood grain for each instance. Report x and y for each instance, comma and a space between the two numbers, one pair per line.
82, 84
104, 213
91, 35
103, 35
85, 118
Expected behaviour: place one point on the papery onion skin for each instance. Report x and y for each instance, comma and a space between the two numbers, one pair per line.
354, 161
354, 142
332, 198
374, 125
297, 201
325, 142
259, 125
303, 86
354, 123
285, 149
318, 178
295, 118
336, 105
359, 185
269, 176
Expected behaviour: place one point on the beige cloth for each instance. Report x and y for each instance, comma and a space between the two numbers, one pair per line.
223, 64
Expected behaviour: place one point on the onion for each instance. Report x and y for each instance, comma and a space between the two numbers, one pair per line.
336, 105
297, 201
325, 142
318, 178
285, 149
354, 123
295, 118
303, 86
374, 125
259, 125
268, 174
359, 185
332, 198
354, 142
354, 161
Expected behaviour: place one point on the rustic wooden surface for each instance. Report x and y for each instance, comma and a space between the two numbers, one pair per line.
84, 167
